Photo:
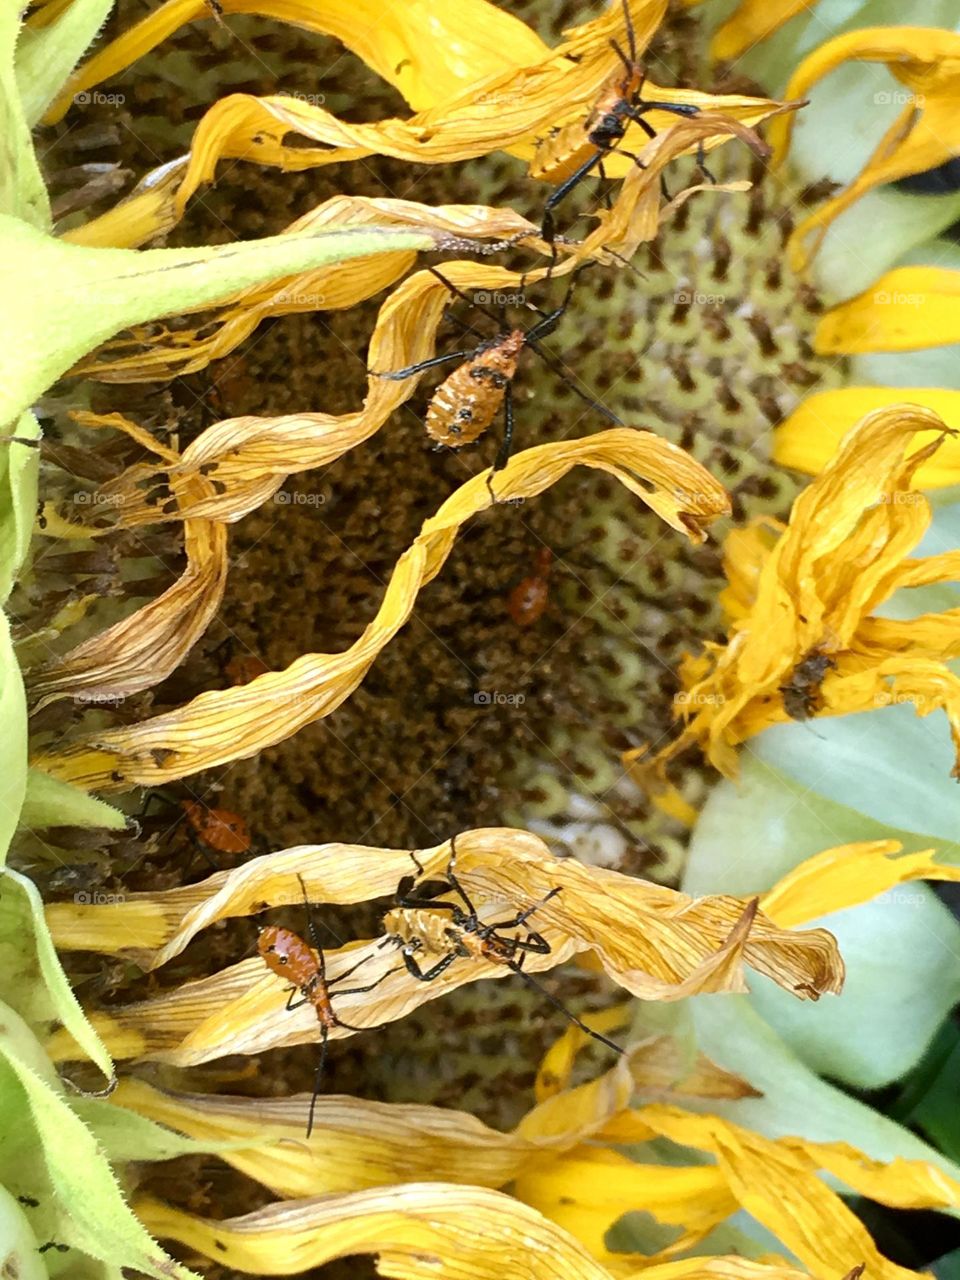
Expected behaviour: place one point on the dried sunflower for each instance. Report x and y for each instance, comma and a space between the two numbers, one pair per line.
411, 1189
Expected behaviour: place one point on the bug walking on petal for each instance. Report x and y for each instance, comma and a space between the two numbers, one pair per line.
465, 404
290, 957
419, 925
571, 153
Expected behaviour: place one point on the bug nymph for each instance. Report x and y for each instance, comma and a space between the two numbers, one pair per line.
287, 955
465, 404
420, 926
569, 154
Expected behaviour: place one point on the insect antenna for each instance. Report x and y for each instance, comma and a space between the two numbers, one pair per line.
631, 35
531, 981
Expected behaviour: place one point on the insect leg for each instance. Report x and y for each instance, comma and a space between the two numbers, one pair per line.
524, 916
501, 460
318, 1076
558, 1004
458, 887
428, 975
347, 972
290, 1005
547, 225
398, 375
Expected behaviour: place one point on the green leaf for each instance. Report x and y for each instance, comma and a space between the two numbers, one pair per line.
94, 1217
794, 1099
32, 969
22, 192
60, 300
51, 803
19, 468
125, 1135
19, 1245
45, 56
13, 743
901, 950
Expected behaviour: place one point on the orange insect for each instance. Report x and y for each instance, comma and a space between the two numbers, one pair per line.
245, 667
217, 829
287, 955
467, 401
569, 154
528, 600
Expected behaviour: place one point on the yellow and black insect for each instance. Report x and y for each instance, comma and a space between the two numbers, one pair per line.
465, 404
569, 154
439, 932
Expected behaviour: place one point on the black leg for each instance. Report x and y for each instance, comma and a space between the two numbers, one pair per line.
428, 975
531, 981
534, 942
506, 444
547, 230
347, 972
398, 375
318, 1077
524, 916
356, 991
290, 1005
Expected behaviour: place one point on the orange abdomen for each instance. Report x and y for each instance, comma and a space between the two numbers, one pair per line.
219, 829
561, 153
466, 403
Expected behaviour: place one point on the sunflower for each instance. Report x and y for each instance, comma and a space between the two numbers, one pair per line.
338, 662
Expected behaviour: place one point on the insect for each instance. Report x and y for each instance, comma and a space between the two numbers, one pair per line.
529, 598
569, 154
287, 955
465, 404
245, 667
418, 926
216, 829
801, 693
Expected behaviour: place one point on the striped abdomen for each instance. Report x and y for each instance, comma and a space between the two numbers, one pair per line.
466, 403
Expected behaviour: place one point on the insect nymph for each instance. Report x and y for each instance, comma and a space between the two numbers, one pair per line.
569, 154
432, 934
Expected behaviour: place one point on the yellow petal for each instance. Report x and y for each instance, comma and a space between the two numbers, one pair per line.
420, 1231
655, 942
426, 51
809, 437
587, 1190
751, 23
376, 1143
808, 596
776, 1181
147, 646
231, 724
845, 877
926, 133
907, 309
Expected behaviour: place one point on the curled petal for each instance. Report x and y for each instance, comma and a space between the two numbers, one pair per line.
803, 638
925, 134
655, 942
232, 724
419, 1231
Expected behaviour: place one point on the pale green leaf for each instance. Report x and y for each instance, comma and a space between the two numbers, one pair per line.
52, 803
901, 950
35, 978
19, 1245
19, 467
94, 1216
22, 192
13, 742
46, 56
61, 300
